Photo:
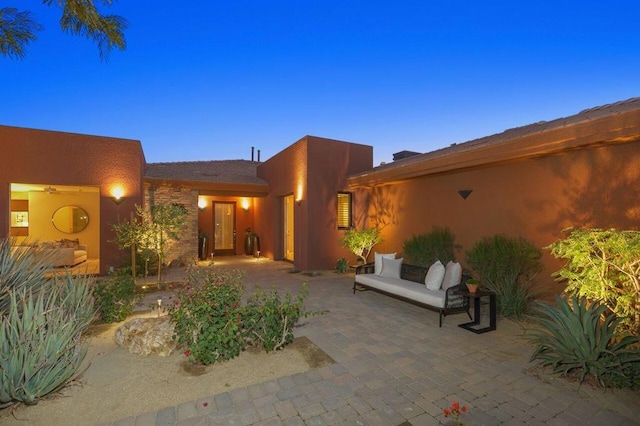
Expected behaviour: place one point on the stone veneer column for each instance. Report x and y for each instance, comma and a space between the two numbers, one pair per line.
185, 250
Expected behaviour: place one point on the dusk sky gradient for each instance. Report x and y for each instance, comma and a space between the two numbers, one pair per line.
207, 80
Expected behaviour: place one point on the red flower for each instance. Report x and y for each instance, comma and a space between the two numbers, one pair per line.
187, 352
447, 413
455, 406
464, 408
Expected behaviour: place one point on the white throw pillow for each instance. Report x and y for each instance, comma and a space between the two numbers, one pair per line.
435, 275
452, 275
391, 268
377, 267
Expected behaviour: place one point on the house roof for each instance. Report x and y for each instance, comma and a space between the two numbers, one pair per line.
612, 123
218, 176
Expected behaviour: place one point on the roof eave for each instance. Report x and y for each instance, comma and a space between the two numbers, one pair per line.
215, 188
618, 128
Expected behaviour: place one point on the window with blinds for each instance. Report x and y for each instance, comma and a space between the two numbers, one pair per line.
344, 210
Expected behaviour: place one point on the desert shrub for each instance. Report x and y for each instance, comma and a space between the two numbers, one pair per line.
215, 326
604, 267
507, 266
342, 265
269, 318
42, 322
116, 296
425, 249
208, 316
577, 338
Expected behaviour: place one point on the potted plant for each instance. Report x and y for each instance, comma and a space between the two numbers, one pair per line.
472, 285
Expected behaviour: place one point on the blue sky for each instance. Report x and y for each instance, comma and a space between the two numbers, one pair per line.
203, 80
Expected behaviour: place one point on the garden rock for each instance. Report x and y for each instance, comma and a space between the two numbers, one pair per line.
145, 336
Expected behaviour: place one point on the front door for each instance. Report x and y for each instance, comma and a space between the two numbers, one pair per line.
288, 227
224, 227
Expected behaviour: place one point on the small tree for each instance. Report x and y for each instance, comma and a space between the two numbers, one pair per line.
166, 223
127, 237
361, 242
603, 266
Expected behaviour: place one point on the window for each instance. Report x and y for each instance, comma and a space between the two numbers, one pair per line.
344, 210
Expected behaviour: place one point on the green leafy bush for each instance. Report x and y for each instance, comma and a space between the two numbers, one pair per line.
578, 338
425, 249
212, 323
603, 266
116, 296
208, 316
361, 242
42, 322
507, 266
269, 319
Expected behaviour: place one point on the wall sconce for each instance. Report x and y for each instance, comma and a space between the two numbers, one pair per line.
117, 194
299, 194
245, 205
464, 193
202, 203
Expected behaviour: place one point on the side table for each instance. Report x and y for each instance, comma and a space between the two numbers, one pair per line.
476, 296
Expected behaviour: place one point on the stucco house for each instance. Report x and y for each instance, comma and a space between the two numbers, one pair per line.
531, 181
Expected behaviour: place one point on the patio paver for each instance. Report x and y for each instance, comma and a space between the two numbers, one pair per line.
394, 366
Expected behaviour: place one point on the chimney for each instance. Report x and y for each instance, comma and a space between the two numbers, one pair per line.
252, 148
258, 156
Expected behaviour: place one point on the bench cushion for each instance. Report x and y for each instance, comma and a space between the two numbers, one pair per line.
435, 275
409, 289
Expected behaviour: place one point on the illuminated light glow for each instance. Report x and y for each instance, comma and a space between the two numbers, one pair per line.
117, 192
245, 204
202, 203
299, 194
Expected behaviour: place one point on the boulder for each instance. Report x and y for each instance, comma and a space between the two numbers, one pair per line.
145, 336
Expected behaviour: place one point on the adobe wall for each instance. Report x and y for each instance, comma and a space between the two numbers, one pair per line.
314, 169
58, 158
330, 164
535, 198
285, 172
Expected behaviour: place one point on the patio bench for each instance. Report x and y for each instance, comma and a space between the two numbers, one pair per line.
410, 287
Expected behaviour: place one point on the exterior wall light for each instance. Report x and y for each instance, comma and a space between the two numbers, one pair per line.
117, 195
202, 203
299, 194
245, 204
464, 193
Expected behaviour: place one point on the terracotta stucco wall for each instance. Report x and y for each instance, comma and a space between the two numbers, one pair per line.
57, 158
314, 169
535, 198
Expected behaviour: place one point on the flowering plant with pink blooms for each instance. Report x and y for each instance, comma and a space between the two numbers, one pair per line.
207, 314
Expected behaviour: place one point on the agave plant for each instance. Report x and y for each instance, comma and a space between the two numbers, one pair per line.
20, 268
580, 338
42, 322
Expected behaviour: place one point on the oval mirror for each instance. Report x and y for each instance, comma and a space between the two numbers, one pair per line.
70, 219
